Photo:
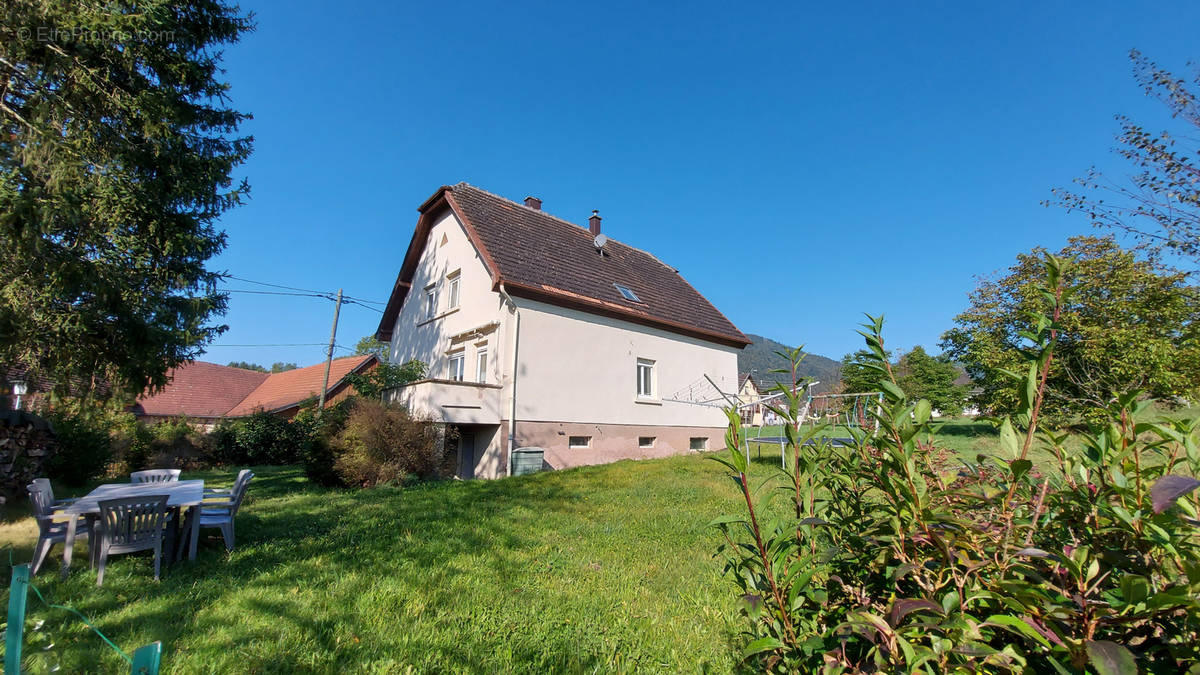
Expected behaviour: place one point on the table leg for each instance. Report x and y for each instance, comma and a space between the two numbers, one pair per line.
68, 545
194, 513
172, 536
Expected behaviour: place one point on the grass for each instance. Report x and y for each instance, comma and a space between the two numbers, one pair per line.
599, 568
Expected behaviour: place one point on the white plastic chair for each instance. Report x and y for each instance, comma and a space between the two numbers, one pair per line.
128, 525
155, 476
49, 531
219, 513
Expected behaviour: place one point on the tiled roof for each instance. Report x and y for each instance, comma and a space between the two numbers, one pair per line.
539, 256
282, 390
200, 389
207, 390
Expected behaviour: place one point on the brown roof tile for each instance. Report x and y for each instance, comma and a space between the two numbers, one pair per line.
207, 390
539, 256
282, 390
200, 389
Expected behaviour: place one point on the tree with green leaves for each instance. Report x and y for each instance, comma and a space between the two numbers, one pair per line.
373, 383
1129, 323
117, 156
1159, 205
281, 367
367, 344
856, 375
931, 377
246, 365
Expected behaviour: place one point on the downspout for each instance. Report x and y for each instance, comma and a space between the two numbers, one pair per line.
512, 417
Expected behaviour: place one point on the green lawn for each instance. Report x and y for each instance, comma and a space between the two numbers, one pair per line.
601, 568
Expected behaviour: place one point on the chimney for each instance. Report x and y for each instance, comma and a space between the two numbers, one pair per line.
533, 203
594, 223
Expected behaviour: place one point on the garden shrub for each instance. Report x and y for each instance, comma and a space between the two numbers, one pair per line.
84, 447
888, 557
260, 438
386, 445
319, 455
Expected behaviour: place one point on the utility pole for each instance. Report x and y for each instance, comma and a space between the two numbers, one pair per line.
337, 309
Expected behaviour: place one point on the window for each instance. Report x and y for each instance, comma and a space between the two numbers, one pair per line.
430, 301
645, 441
457, 361
453, 278
579, 441
481, 363
645, 378
698, 443
626, 293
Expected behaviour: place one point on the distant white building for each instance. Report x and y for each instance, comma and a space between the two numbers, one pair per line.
539, 332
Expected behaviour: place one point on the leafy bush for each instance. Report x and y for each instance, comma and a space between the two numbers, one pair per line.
889, 558
319, 456
382, 444
84, 448
261, 438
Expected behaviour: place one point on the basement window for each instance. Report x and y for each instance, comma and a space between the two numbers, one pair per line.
698, 443
579, 442
627, 293
646, 441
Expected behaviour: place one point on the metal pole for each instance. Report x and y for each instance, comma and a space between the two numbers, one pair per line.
337, 309
18, 592
146, 660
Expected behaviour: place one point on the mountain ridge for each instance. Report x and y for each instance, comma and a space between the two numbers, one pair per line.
759, 357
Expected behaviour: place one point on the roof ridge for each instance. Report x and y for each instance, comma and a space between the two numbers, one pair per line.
564, 221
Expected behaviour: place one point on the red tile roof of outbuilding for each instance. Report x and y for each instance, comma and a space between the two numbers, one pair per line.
200, 389
207, 390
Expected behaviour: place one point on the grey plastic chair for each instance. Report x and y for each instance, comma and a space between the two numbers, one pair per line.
49, 531
220, 513
214, 493
155, 476
44, 485
128, 525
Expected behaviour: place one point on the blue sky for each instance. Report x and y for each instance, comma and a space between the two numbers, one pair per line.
799, 164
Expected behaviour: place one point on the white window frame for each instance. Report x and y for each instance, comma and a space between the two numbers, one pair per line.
456, 365
587, 442
646, 385
481, 363
454, 279
643, 444
431, 301
703, 443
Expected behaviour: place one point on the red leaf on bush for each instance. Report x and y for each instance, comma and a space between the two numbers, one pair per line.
905, 606
1170, 488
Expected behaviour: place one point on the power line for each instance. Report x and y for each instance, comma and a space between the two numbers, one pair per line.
280, 344
303, 295
322, 294
263, 283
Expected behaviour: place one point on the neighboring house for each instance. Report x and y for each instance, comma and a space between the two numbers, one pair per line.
206, 392
749, 393
541, 333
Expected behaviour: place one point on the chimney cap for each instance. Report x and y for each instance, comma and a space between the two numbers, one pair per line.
533, 202
594, 222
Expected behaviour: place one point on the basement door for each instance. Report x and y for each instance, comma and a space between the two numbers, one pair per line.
466, 454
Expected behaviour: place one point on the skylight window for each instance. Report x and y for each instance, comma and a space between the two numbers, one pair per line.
627, 294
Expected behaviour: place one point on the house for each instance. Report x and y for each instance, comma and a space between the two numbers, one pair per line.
749, 395
206, 392
542, 333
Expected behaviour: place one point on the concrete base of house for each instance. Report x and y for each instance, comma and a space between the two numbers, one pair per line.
483, 449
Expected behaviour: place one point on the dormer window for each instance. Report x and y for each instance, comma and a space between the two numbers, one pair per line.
627, 293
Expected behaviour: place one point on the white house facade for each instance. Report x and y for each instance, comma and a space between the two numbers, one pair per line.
537, 332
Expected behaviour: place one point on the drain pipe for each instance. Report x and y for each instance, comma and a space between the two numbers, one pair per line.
512, 417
